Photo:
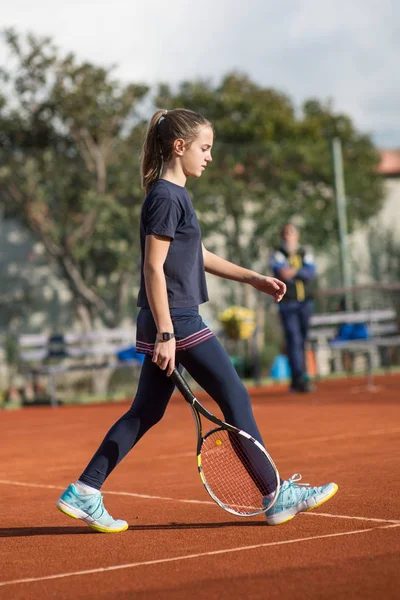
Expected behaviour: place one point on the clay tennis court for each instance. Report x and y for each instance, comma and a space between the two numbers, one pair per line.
179, 543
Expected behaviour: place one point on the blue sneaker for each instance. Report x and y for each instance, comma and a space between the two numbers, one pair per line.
89, 508
296, 497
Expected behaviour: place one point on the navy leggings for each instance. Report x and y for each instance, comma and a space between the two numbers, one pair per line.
209, 365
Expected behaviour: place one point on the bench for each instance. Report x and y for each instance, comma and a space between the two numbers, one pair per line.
383, 334
49, 356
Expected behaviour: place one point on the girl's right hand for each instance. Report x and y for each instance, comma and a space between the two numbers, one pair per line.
164, 355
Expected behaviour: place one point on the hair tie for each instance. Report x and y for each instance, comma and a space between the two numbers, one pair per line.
162, 118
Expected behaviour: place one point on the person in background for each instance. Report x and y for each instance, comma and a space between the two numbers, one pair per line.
295, 266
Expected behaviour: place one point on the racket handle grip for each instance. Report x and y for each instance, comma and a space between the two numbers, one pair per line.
182, 386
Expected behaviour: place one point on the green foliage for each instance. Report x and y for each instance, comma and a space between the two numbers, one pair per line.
272, 165
69, 168
11, 350
64, 146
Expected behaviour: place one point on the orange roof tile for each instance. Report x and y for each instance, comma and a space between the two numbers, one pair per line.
390, 162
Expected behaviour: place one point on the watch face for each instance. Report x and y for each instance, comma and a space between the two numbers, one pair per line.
167, 336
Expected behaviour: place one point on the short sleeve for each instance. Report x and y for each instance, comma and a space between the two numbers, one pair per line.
277, 261
308, 259
162, 216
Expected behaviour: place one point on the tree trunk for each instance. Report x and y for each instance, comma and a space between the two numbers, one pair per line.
84, 316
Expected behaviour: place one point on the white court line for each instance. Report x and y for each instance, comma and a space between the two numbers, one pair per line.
339, 436
294, 442
186, 501
326, 438
320, 514
131, 494
190, 556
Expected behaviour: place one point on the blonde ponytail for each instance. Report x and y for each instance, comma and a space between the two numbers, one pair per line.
152, 159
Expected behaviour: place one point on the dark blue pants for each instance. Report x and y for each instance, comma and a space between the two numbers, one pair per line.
209, 364
295, 320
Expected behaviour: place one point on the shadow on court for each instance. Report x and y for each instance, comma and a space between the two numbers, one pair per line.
198, 525
39, 531
32, 531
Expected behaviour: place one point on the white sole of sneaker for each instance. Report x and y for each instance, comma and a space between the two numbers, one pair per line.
310, 504
76, 513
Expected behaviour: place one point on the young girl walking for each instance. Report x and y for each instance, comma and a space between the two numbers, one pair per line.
170, 330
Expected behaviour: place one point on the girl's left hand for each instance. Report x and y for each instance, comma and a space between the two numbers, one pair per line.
271, 286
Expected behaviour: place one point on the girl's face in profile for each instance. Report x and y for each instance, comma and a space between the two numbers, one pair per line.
196, 157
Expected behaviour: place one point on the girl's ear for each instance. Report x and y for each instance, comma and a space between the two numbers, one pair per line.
179, 146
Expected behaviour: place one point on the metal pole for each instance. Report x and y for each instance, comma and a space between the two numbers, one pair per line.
342, 218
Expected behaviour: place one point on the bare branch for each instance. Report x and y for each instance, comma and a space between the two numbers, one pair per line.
85, 230
86, 155
75, 277
93, 150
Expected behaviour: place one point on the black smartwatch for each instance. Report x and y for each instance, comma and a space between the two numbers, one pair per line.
165, 336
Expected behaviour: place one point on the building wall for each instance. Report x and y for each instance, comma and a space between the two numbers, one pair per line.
385, 223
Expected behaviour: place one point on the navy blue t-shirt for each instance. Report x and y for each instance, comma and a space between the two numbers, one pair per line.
167, 210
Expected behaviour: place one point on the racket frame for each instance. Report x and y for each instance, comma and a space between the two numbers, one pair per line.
197, 410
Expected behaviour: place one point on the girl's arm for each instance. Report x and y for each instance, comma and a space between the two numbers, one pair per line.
223, 268
156, 250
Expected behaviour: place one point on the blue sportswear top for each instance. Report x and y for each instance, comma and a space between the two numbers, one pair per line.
168, 211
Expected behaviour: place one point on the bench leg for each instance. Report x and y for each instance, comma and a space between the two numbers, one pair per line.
370, 383
52, 388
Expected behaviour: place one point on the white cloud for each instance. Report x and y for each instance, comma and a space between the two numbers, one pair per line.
319, 48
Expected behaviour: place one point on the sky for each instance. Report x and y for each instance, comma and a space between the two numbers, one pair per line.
345, 51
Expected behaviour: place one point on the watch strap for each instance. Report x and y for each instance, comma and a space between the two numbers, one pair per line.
165, 336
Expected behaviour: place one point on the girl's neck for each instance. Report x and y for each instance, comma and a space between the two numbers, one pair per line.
174, 174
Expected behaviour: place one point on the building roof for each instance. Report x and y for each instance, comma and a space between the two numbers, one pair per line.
390, 162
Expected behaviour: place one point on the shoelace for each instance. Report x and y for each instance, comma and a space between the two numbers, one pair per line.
296, 488
294, 479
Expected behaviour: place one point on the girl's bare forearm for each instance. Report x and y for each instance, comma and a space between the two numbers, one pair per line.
156, 290
223, 268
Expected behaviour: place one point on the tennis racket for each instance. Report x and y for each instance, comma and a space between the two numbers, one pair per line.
235, 469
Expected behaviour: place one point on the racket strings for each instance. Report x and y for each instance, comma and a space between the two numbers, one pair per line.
237, 472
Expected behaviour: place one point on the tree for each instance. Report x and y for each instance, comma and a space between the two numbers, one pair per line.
68, 131
272, 164
69, 156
